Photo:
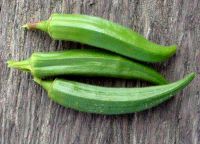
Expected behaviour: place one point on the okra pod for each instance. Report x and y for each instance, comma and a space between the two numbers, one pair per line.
104, 34
86, 63
104, 100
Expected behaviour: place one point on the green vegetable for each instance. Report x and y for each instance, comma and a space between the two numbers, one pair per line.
102, 100
86, 63
103, 34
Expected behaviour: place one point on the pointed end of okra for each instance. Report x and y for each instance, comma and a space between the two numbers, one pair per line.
42, 25
191, 76
22, 65
166, 53
187, 79
172, 50
45, 84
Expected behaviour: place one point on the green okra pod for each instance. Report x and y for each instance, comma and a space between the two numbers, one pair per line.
86, 63
103, 100
104, 34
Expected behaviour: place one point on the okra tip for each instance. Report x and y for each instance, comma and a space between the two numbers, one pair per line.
172, 50
174, 47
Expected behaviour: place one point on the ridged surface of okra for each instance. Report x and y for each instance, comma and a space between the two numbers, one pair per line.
104, 100
86, 63
104, 34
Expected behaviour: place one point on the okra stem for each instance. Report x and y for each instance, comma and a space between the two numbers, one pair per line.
42, 25
22, 65
45, 84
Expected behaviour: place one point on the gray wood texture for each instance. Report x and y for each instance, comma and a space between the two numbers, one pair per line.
28, 116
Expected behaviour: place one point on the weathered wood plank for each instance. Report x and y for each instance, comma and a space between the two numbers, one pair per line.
28, 116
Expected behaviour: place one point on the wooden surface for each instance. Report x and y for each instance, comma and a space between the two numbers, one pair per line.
27, 116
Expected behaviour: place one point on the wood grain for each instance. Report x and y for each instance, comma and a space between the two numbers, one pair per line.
27, 116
